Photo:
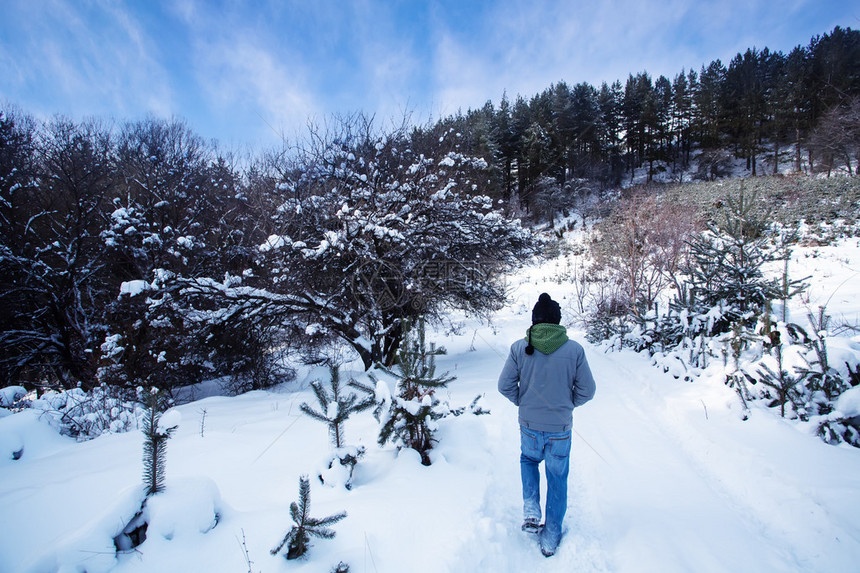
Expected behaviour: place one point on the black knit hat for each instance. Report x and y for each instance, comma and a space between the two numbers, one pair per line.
545, 311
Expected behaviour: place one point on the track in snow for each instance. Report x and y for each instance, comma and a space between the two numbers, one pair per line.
666, 477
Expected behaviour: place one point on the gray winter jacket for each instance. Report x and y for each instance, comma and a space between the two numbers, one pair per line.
547, 387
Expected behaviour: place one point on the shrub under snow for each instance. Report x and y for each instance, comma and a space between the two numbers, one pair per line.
82, 415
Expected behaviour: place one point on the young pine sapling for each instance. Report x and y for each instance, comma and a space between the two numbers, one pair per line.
157, 429
779, 380
298, 538
819, 374
409, 417
336, 405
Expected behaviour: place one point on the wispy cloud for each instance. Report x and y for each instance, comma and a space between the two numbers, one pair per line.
82, 61
523, 47
243, 74
224, 64
387, 61
247, 78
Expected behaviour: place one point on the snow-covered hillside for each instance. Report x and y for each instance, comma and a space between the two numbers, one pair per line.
666, 476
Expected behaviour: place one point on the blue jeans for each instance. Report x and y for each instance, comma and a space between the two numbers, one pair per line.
553, 448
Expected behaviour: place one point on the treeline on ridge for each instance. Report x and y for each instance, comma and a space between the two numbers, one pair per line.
767, 108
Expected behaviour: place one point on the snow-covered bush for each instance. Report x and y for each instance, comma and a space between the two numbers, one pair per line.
52, 280
150, 347
338, 467
782, 364
722, 314
794, 373
843, 424
250, 357
11, 397
87, 415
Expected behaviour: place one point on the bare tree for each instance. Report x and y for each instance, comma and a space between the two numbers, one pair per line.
642, 246
51, 269
836, 138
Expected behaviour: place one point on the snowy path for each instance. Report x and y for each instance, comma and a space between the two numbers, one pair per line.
666, 477
660, 507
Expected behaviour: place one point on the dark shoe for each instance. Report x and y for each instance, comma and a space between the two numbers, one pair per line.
531, 525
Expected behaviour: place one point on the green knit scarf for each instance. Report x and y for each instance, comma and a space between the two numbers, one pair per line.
547, 337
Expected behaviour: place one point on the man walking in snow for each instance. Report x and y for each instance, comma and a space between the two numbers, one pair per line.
546, 386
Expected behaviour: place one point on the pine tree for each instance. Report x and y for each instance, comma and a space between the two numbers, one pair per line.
737, 342
409, 417
819, 375
779, 380
727, 260
156, 435
335, 405
305, 527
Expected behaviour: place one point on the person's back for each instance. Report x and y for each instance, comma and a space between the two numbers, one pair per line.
547, 392
546, 376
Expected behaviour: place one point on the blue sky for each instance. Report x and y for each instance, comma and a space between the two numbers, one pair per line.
244, 72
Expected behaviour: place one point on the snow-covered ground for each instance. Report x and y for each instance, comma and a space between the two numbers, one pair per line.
666, 476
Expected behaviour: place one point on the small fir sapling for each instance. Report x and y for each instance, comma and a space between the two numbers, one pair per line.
408, 418
779, 380
819, 374
789, 288
840, 430
336, 405
157, 429
789, 387
825, 385
737, 341
726, 263
298, 538
813, 390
